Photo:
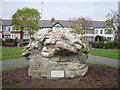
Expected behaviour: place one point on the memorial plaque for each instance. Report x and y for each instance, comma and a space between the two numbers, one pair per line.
57, 73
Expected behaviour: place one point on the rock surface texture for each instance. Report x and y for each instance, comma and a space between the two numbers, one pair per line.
57, 50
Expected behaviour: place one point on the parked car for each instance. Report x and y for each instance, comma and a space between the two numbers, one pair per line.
25, 42
2, 39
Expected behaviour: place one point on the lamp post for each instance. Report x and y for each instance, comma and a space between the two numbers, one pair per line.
41, 12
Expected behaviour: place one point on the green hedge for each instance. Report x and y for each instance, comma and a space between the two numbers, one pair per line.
97, 44
9, 41
2, 43
101, 44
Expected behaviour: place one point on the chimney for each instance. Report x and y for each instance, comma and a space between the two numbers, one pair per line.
52, 20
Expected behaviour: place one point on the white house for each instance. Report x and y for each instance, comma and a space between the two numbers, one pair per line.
97, 29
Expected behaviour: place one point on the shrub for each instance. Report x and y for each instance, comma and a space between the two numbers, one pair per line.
3, 43
97, 44
107, 45
112, 44
15, 42
9, 41
117, 44
101, 44
0, 43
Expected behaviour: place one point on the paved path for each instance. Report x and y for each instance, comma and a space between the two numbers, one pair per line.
20, 61
13, 62
103, 60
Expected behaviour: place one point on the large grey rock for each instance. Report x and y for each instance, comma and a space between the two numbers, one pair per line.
56, 50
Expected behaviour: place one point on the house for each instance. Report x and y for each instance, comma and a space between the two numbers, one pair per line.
97, 29
8, 31
94, 29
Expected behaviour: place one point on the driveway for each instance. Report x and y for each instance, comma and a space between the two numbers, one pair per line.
20, 61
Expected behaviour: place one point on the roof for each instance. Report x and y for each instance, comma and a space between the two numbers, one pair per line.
97, 24
6, 22
47, 23
65, 23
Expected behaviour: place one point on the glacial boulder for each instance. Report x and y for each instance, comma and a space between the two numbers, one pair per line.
56, 54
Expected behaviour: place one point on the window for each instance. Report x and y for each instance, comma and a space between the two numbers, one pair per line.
13, 36
109, 38
87, 38
8, 28
16, 36
96, 32
86, 31
101, 31
92, 32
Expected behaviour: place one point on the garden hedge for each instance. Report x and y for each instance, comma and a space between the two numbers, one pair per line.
2, 43
107, 45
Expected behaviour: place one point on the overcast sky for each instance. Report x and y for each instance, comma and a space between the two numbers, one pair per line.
62, 10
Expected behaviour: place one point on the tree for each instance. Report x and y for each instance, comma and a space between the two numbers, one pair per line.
79, 25
26, 19
113, 20
104, 39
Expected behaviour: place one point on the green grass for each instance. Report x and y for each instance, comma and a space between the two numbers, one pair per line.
9, 53
110, 53
103, 64
9, 68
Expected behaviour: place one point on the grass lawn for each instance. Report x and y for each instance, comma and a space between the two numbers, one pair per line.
110, 53
9, 53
